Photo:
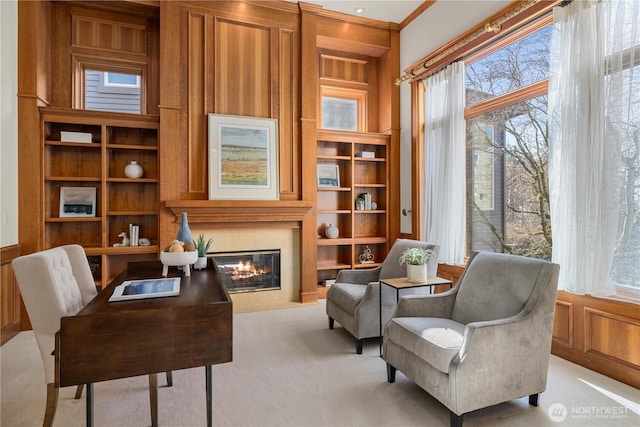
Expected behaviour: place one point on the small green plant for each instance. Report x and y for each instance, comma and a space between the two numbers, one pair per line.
201, 246
415, 256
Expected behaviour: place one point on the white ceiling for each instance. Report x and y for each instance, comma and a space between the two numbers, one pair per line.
382, 10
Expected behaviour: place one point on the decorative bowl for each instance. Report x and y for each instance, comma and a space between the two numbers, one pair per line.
178, 258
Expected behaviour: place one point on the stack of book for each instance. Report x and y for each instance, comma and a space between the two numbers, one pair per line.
134, 234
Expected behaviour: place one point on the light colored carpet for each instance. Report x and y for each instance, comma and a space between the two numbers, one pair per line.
289, 369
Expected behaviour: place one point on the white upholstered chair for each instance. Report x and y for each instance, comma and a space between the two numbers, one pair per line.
54, 283
354, 299
485, 342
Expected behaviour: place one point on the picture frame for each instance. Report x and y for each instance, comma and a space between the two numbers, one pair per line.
77, 202
243, 158
328, 176
146, 288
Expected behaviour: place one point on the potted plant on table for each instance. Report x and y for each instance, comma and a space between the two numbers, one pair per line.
202, 247
416, 260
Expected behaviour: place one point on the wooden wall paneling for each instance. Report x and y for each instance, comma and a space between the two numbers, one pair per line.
563, 324
153, 64
108, 32
243, 66
33, 91
61, 71
170, 115
353, 37
604, 335
288, 123
197, 113
389, 122
9, 295
608, 334
308, 103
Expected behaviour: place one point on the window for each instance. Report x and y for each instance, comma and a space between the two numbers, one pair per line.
112, 91
121, 80
507, 148
342, 109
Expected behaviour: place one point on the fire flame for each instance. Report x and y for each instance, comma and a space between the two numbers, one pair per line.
244, 270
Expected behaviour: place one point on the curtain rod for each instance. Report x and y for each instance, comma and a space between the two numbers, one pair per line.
494, 26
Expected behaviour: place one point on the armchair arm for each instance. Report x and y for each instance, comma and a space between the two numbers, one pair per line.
361, 277
436, 305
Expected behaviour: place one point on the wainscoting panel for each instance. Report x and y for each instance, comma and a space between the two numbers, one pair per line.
599, 333
563, 324
9, 295
607, 335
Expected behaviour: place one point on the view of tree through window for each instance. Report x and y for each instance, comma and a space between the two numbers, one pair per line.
507, 151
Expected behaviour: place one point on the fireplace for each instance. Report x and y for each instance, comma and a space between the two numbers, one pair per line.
249, 271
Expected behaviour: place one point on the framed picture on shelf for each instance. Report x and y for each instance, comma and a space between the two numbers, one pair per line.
329, 176
77, 202
243, 158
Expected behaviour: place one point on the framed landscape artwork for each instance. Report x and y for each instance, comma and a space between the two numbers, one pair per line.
243, 158
77, 202
328, 176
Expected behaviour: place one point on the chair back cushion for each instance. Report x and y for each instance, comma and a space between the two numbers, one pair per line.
50, 291
391, 267
495, 286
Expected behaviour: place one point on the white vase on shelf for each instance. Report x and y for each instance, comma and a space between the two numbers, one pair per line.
331, 231
133, 170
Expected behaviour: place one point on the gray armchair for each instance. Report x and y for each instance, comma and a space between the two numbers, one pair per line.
354, 299
485, 342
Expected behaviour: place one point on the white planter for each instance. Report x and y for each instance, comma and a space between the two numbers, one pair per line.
417, 273
200, 263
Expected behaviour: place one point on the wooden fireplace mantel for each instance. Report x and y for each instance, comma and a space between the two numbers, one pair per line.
241, 211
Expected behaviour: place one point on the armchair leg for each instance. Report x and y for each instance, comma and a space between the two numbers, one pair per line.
533, 399
52, 403
359, 346
391, 373
456, 420
330, 323
169, 379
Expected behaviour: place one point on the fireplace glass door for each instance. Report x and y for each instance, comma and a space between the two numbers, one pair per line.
250, 270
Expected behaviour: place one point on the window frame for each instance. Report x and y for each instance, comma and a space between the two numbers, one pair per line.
82, 64
357, 95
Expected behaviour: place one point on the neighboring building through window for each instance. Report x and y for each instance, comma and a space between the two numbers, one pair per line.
110, 91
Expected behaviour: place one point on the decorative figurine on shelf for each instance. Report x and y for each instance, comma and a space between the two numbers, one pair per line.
366, 257
144, 241
359, 204
125, 240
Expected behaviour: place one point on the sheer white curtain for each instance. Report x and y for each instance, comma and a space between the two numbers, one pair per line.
444, 162
594, 121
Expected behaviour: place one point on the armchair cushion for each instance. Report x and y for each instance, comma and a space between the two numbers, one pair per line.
427, 338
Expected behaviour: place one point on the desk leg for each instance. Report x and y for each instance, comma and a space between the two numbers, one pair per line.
153, 398
90, 405
380, 312
207, 374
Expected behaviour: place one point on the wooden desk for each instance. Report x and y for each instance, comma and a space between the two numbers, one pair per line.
106, 341
399, 283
